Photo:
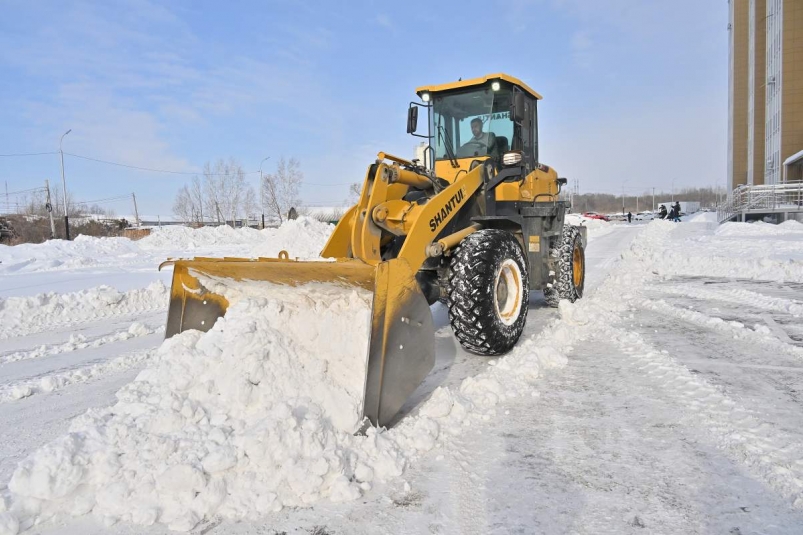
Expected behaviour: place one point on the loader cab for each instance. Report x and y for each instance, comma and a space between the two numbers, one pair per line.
480, 119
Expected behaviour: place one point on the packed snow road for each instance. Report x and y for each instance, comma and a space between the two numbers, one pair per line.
666, 401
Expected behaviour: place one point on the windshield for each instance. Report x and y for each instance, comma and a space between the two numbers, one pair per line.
472, 123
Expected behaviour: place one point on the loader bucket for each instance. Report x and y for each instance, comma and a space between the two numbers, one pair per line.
401, 350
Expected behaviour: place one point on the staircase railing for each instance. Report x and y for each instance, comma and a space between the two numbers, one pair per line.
771, 197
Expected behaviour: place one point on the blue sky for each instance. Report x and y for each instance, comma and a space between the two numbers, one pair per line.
635, 92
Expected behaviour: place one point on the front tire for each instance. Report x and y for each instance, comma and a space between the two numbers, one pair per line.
567, 268
488, 292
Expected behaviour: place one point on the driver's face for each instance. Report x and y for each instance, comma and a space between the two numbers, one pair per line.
476, 129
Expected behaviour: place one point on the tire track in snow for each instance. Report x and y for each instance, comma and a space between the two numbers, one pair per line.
79, 341
56, 381
761, 335
739, 297
775, 456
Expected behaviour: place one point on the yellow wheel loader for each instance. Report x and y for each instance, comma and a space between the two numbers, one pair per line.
475, 223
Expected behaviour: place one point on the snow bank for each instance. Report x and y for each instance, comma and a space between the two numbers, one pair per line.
301, 238
172, 237
83, 251
596, 227
25, 315
759, 228
736, 250
703, 217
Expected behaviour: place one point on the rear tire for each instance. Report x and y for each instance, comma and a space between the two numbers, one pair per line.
488, 292
568, 268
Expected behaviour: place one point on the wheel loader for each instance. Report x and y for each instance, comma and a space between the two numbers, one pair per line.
475, 223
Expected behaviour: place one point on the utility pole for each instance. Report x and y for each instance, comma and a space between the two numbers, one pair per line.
49, 207
653, 199
8, 203
262, 191
136, 212
64, 185
623, 197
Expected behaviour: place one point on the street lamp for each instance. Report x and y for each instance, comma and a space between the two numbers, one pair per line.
64, 187
262, 190
623, 196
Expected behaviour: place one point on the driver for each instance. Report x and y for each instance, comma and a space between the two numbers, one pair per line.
482, 142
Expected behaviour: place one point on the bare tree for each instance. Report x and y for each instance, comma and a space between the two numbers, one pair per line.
73, 210
354, 193
222, 195
281, 188
183, 206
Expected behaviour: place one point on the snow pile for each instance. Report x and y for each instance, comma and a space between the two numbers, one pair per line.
25, 315
789, 228
83, 251
248, 418
178, 237
732, 251
703, 217
596, 227
301, 238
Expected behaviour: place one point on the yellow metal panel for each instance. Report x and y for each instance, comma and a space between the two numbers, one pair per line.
339, 243
444, 169
435, 214
478, 81
540, 185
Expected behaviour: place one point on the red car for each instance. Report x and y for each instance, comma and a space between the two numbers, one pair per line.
595, 215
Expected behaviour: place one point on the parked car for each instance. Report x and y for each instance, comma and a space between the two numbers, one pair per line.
644, 216
595, 215
617, 217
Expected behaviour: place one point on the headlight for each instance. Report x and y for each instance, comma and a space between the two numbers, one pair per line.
425, 97
511, 158
495, 86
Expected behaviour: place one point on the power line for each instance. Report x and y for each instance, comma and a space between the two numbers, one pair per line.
154, 170
106, 200
22, 191
26, 154
150, 169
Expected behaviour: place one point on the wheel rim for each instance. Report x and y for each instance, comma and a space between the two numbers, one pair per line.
578, 268
507, 292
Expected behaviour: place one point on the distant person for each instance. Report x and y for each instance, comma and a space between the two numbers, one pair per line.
673, 214
629, 217
662, 212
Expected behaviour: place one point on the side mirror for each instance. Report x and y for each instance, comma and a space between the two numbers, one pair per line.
412, 119
518, 108
563, 181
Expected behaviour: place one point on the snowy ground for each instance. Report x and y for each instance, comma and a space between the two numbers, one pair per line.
668, 400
